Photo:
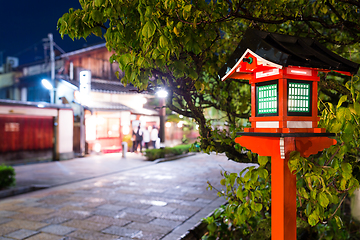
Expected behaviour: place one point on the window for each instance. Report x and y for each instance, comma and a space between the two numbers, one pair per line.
267, 99
299, 98
107, 127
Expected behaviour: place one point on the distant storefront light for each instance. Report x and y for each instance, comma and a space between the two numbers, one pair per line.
180, 124
97, 147
125, 130
168, 124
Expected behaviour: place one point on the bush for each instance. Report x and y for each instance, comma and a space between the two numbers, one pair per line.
7, 176
153, 154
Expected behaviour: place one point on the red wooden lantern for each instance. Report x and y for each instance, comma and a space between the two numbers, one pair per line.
283, 73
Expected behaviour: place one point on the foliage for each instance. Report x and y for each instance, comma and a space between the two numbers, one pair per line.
153, 154
7, 176
246, 214
324, 181
181, 45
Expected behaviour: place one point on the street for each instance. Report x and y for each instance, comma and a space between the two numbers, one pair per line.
140, 200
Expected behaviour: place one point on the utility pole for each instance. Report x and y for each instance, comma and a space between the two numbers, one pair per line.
52, 66
162, 122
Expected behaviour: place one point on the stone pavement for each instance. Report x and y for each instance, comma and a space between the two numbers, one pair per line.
141, 200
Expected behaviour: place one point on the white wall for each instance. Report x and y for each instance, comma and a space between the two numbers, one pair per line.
66, 123
28, 111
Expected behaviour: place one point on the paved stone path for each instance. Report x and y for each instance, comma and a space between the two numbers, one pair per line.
144, 201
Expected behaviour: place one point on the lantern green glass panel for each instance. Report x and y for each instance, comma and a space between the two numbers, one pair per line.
299, 97
267, 99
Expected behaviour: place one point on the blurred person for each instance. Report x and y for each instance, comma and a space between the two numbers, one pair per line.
154, 136
146, 137
138, 138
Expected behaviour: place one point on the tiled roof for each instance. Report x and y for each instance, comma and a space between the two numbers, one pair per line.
288, 50
107, 106
111, 87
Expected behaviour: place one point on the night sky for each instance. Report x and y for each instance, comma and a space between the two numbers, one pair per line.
24, 23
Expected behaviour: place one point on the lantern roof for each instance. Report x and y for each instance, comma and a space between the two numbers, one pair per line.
284, 50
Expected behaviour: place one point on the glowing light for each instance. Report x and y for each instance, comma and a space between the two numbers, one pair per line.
143, 100
41, 105
181, 116
168, 124
180, 124
162, 93
126, 130
298, 71
100, 120
47, 84
97, 147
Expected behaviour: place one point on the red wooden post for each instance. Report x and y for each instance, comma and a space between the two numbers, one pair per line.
283, 182
283, 193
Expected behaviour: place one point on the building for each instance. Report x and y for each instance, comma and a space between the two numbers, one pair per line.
104, 110
35, 132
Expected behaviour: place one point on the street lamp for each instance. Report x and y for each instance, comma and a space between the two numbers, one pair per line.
162, 94
46, 83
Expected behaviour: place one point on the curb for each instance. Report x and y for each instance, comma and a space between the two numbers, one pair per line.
199, 229
21, 190
196, 232
166, 159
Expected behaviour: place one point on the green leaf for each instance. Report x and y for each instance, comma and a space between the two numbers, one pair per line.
308, 209
342, 99
357, 108
96, 15
347, 170
339, 222
124, 60
148, 29
97, 31
331, 106
249, 155
303, 193
239, 193
148, 11
192, 73
313, 219
343, 184
336, 127
254, 176
163, 41
187, 11
199, 86
257, 206
263, 173
223, 182
176, 31
263, 160
98, 3
323, 200
247, 176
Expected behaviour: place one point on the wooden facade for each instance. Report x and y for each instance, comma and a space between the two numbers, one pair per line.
21, 133
96, 60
